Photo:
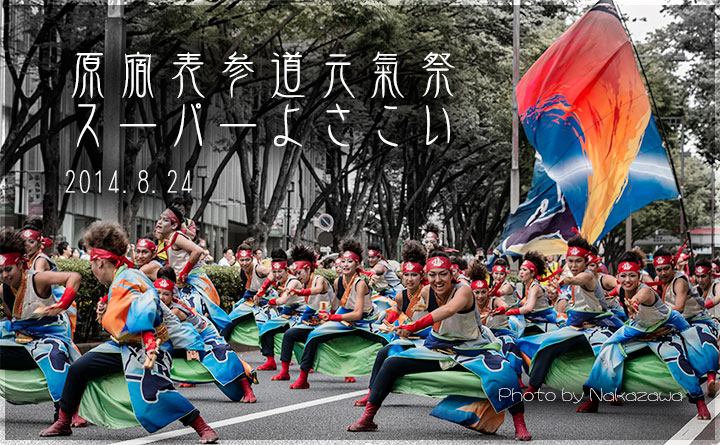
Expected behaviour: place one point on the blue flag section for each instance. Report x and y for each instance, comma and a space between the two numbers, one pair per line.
543, 222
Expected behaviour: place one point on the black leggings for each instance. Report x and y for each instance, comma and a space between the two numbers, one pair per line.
91, 366
292, 336
308, 357
267, 342
380, 359
16, 358
395, 367
545, 357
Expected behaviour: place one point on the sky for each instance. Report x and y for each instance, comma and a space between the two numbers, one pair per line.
638, 9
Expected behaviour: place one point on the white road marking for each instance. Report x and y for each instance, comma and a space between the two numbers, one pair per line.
687, 434
245, 418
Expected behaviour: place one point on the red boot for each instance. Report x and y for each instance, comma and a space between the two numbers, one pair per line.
249, 396
713, 383
301, 382
521, 432
349, 379
703, 413
207, 434
269, 365
284, 373
363, 401
530, 392
62, 426
186, 385
365, 422
616, 401
78, 422
590, 406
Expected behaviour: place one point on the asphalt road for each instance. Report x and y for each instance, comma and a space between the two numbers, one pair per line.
402, 417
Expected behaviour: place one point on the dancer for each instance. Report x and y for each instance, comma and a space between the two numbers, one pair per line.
183, 256
316, 292
682, 348
455, 330
353, 317
589, 322
385, 279
226, 368
411, 305
34, 335
139, 346
146, 259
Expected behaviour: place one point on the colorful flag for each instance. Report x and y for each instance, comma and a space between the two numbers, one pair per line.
543, 222
584, 108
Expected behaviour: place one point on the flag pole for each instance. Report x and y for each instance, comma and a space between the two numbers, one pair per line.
515, 168
662, 131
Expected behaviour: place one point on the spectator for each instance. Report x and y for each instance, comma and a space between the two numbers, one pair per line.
83, 254
76, 253
64, 250
260, 257
206, 258
228, 258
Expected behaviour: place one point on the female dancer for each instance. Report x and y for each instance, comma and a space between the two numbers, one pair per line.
410, 305
353, 316
681, 347
291, 303
385, 277
34, 245
145, 259
315, 292
454, 328
534, 306
505, 288
589, 322
139, 346
33, 334
183, 256
608, 283
217, 357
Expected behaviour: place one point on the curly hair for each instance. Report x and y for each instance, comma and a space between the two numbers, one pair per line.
414, 252
34, 223
300, 252
168, 273
353, 245
631, 256
106, 235
538, 260
579, 241
278, 255
477, 271
11, 241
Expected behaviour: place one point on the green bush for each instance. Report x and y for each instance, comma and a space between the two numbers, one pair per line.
228, 283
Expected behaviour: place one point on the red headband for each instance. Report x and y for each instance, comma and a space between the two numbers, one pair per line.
297, 265
595, 259
454, 267
352, 255
683, 257
372, 252
8, 259
662, 260
527, 264
96, 254
409, 266
431, 235
500, 269
629, 266
244, 253
37, 236
146, 244
478, 284
162, 283
438, 262
703, 270
577, 251
279, 265
169, 214
337, 261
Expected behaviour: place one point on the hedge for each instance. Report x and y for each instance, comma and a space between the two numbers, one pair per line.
227, 281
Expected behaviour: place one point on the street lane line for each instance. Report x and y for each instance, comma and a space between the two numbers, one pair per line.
687, 434
246, 418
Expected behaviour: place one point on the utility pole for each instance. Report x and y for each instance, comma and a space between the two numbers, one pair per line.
712, 211
515, 168
113, 143
682, 174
